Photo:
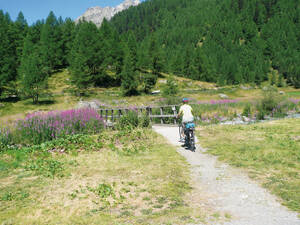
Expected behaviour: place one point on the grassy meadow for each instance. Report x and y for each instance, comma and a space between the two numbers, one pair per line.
59, 166
116, 177
269, 151
60, 96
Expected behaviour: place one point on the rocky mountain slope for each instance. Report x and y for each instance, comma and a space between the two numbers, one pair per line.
97, 14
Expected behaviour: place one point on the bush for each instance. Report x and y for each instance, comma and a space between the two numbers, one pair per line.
260, 114
149, 81
247, 110
270, 99
171, 88
272, 103
5, 138
129, 121
144, 120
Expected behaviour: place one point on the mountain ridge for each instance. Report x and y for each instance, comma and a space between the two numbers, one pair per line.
97, 14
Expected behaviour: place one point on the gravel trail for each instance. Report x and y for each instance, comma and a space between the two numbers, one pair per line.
230, 190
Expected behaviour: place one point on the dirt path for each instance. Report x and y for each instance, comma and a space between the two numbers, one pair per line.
230, 190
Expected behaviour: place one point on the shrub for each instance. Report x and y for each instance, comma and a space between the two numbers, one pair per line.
270, 99
260, 114
144, 120
5, 138
171, 88
247, 110
294, 104
129, 121
149, 82
272, 103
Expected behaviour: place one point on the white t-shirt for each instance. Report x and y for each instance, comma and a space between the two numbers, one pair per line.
186, 111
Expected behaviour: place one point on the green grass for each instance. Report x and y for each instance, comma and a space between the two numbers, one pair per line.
62, 97
269, 151
118, 177
294, 94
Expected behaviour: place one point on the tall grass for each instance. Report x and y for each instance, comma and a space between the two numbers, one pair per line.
39, 127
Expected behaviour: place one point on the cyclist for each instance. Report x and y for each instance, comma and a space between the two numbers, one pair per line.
187, 116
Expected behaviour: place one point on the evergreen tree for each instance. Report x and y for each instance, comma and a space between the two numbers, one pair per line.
68, 35
20, 28
50, 44
155, 57
112, 49
87, 56
171, 87
132, 45
7, 53
129, 82
33, 78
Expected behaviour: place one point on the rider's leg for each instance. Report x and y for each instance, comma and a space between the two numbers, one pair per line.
182, 133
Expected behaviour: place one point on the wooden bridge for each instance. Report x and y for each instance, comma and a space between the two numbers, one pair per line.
161, 113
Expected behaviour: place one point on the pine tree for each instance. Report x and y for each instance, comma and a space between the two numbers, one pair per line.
19, 29
68, 35
155, 56
129, 82
87, 56
50, 44
7, 53
112, 49
133, 50
33, 78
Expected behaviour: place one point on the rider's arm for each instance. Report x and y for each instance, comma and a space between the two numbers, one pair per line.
180, 112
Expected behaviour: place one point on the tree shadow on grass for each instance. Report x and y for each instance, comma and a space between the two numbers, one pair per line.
46, 102
10, 99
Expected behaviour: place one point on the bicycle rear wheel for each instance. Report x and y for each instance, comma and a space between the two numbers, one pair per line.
192, 140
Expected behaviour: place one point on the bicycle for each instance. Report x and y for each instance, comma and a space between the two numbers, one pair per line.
189, 132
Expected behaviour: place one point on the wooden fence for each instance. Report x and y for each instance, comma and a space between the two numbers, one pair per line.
154, 112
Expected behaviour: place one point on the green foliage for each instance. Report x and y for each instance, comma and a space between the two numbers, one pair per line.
144, 120
32, 71
272, 103
148, 82
46, 167
129, 82
103, 190
171, 87
270, 99
10, 196
247, 110
273, 78
186, 37
129, 120
281, 82
51, 54
86, 56
8, 57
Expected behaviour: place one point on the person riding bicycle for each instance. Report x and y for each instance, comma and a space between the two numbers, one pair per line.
186, 112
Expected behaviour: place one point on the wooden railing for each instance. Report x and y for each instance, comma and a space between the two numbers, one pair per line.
114, 114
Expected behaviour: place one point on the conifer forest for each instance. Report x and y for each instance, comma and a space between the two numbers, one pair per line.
222, 41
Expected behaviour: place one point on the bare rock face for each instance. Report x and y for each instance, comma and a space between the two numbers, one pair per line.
97, 14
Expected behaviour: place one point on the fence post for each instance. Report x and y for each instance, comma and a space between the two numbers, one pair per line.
101, 113
106, 115
112, 115
120, 113
175, 114
161, 113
